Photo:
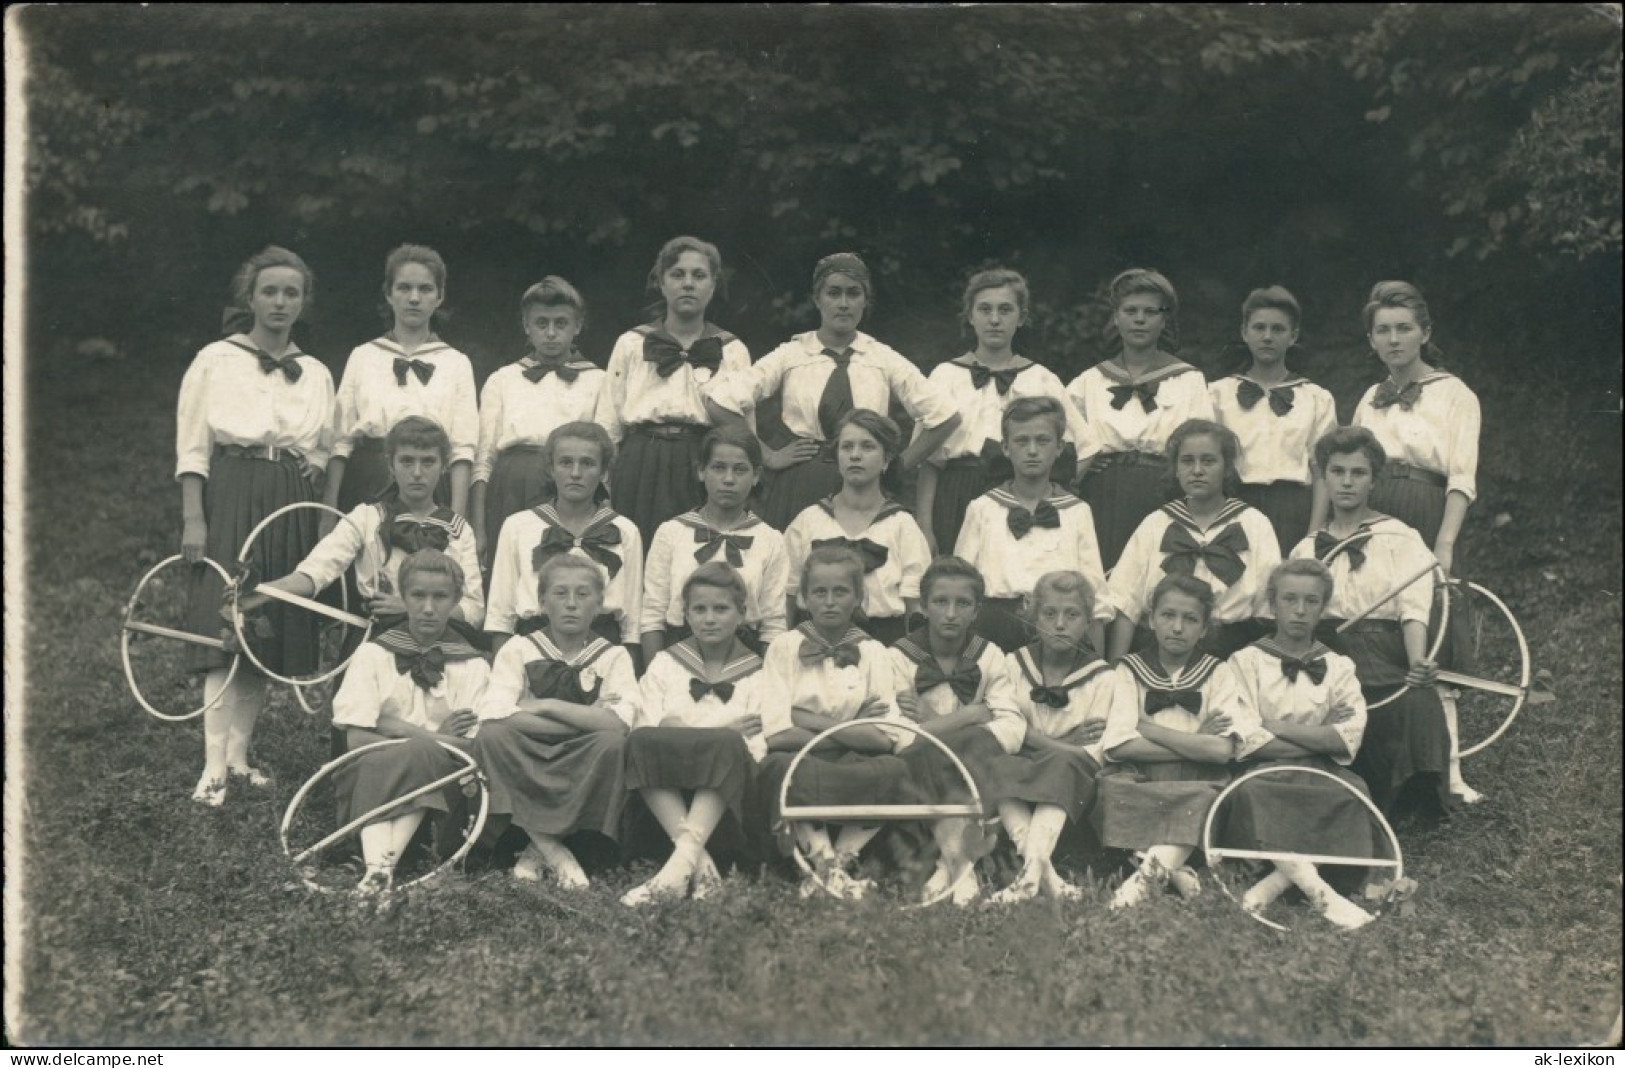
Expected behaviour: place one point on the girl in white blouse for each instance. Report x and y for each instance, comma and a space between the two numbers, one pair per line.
652, 402
408, 371
722, 529
525, 401
253, 431
1132, 401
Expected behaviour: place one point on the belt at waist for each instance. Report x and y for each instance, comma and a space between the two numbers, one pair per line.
274, 453
669, 431
1130, 459
1395, 469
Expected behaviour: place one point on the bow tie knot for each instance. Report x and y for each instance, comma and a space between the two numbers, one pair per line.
1315, 669
698, 688
1249, 393
1387, 396
427, 667
981, 376
1326, 542
711, 541
873, 554
422, 368
596, 543
845, 654
1021, 521
555, 678
411, 535
667, 355
964, 680
288, 365
1145, 391
540, 369
1158, 700
1053, 696
1222, 555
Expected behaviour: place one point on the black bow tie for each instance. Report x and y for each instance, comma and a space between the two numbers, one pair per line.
595, 543
1021, 521
1146, 391
539, 370
846, 654
1053, 696
288, 365
668, 356
980, 376
1325, 542
1388, 396
712, 541
409, 535
698, 689
1315, 669
873, 554
964, 681
421, 368
1189, 700
1249, 393
555, 678
1222, 555
427, 668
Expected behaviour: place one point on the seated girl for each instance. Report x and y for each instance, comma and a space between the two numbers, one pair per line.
418, 681
553, 724
1176, 724
1064, 692
694, 761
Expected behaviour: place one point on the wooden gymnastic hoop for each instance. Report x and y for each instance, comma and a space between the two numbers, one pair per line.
131, 626
1519, 693
470, 772
877, 813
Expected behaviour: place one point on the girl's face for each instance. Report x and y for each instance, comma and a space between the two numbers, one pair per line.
1140, 318
728, 477
841, 300
277, 298
861, 457
413, 295
1033, 447
1268, 333
417, 473
578, 468
1349, 480
1298, 602
832, 594
1062, 622
1178, 620
994, 316
712, 614
1199, 465
1397, 338
689, 284
571, 600
429, 598
950, 609
551, 330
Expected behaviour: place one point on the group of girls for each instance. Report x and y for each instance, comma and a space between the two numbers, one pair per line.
566, 471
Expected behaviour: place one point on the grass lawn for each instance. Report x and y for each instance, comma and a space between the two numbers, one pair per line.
149, 920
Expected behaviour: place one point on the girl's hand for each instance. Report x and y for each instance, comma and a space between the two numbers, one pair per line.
908, 702
931, 540
798, 451
749, 726
1446, 555
459, 723
1085, 734
1339, 715
873, 708
1218, 725
1422, 673
194, 537
386, 604
479, 538
325, 522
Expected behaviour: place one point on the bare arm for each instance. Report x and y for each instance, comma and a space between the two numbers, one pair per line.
476, 515
925, 499
1310, 739
582, 719
194, 528
1120, 638
857, 739
928, 442
1455, 512
1202, 748
1141, 751
461, 472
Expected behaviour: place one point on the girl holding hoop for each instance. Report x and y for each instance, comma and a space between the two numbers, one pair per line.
651, 402
253, 430
408, 371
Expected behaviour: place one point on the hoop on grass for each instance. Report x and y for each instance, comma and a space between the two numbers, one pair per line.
1496, 677
133, 627
877, 813
1217, 854
362, 623
303, 858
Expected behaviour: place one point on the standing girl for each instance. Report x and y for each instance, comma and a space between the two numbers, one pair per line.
1226, 543
861, 517
818, 377
523, 402
253, 430
1133, 400
651, 402
1277, 417
722, 529
984, 383
408, 371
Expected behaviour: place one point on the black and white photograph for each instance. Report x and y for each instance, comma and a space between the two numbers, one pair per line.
851, 526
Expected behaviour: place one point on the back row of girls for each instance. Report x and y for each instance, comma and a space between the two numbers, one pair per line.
257, 426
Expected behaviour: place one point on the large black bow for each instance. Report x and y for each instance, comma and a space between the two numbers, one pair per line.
288, 365
539, 370
1315, 669
423, 369
427, 668
698, 689
964, 681
668, 356
409, 535
846, 654
1021, 521
1146, 391
1222, 555
1388, 396
1249, 393
873, 553
1189, 700
1325, 542
556, 679
710, 541
595, 543
980, 376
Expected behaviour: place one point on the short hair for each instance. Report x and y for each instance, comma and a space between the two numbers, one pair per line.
1347, 439
581, 430
430, 562
553, 292
1189, 585
993, 279
418, 432
402, 255
1276, 298
1229, 448
1294, 568
1023, 409
849, 264
1062, 584
719, 576
673, 250
568, 562
877, 426
242, 283
837, 555
1144, 280
945, 567
1396, 295
731, 434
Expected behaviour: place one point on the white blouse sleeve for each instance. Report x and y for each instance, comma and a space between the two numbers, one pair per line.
1008, 725
740, 390
620, 690
929, 404
347, 406
1123, 719
797, 544
1461, 432
770, 595
507, 683
485, 453
1343, 687
652, 691
366, 684
334, 554
1223, 695
507, 565
1130, 583
780, 668
632, 577
465, 683
914, 553
612, 394
462, 549
194, 441
657, 584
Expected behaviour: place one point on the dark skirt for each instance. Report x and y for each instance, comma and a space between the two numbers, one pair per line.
1047, 777
933, 779
1000, 621
655, 476
238, 494
1298, 812
691, 758
385, 774
1285, 504
1412, 496
844, 778
551, 786
1145, 805
959, 482
1121, 494
1220, 640
518, 480
787, 493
